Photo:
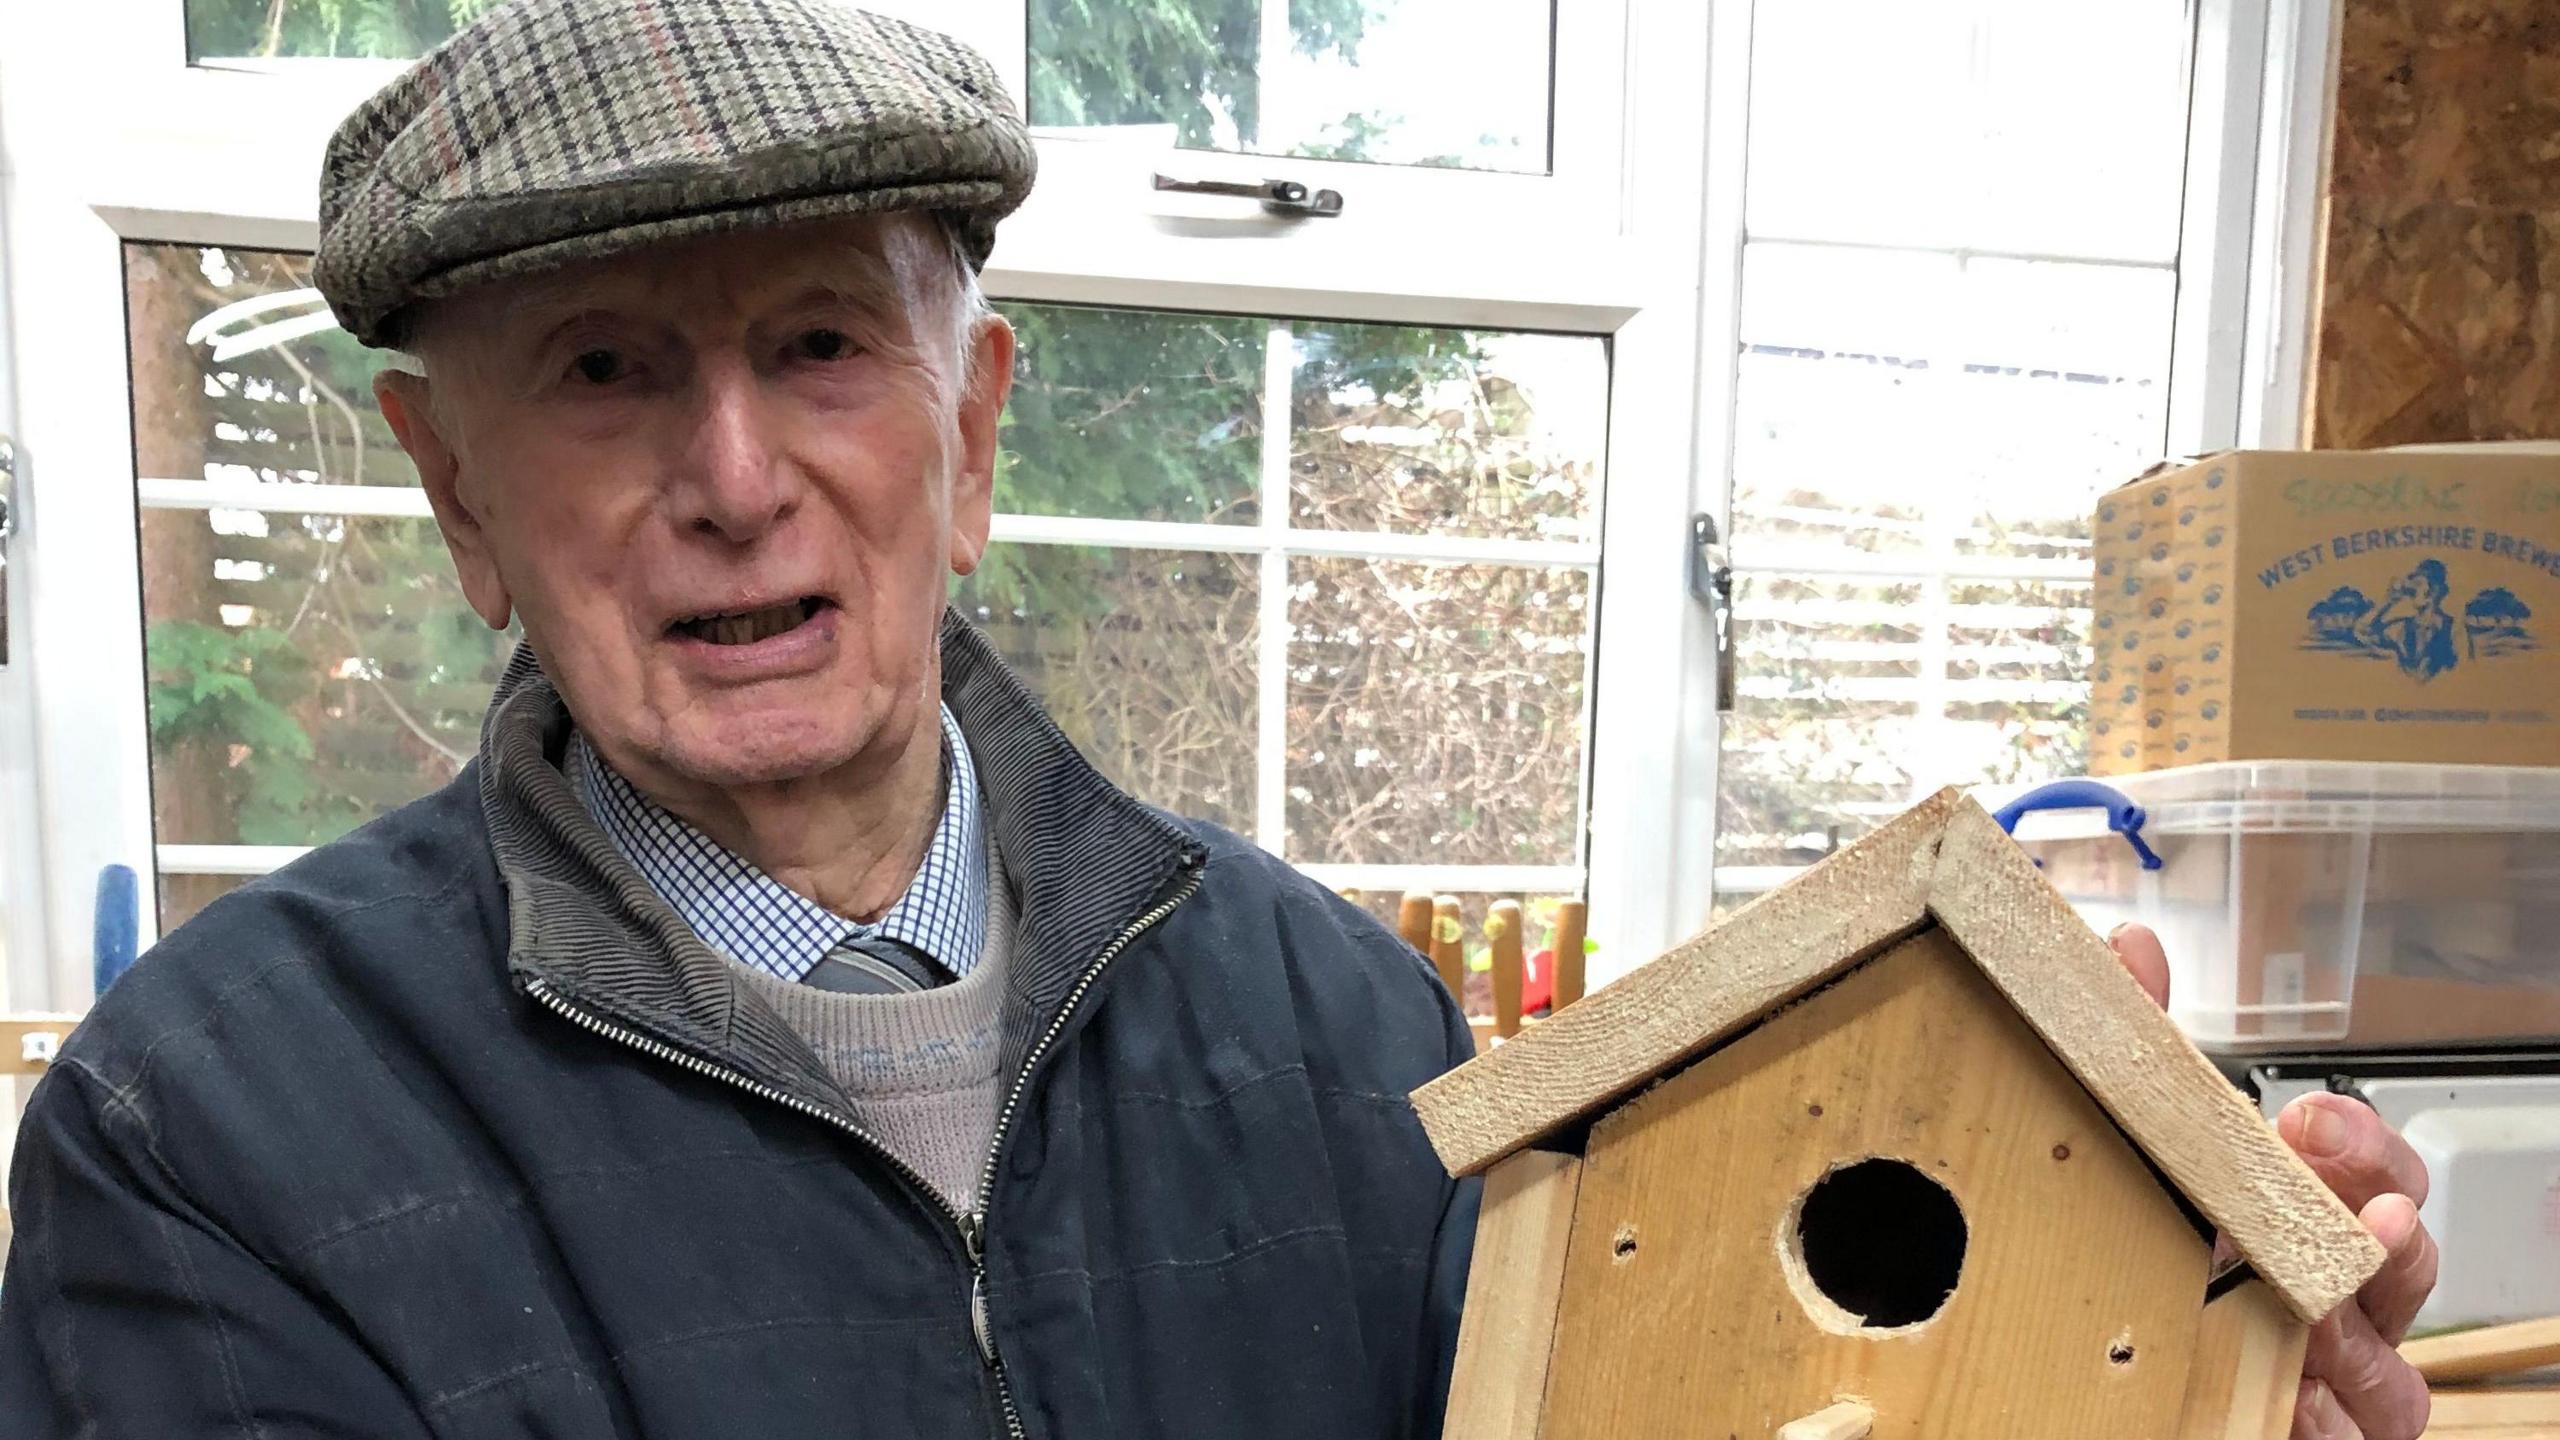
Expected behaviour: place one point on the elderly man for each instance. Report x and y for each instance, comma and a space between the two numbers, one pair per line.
778, 1030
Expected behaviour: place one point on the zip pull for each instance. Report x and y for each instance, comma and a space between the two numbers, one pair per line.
973, 1238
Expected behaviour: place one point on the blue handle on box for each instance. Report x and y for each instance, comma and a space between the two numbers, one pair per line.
2123, 816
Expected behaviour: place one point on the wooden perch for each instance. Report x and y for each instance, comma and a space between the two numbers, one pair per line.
2481, 1354
1847, 1420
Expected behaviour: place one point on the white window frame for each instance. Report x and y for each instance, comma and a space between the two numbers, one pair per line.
2236, 357
165, 164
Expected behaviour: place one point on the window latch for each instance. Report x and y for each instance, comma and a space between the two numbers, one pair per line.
1280, 197
1711, 584
8, 527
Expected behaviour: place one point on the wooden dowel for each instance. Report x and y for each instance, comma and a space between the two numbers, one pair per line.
1502, 928
1448, 950
2493, 1350
1413, 921
1571, 917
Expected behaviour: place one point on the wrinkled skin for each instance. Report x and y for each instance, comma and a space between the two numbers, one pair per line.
2355, 1386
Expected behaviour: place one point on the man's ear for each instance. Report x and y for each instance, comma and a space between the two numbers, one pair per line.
406, 402
981, 417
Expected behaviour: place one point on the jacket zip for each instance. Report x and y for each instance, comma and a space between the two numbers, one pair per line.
971, 1225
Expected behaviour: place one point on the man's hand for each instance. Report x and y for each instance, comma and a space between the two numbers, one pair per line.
2355, 1386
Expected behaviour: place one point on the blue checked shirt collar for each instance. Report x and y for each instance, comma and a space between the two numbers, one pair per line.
755, 919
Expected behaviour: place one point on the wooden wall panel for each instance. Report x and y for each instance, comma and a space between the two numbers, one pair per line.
2438, 315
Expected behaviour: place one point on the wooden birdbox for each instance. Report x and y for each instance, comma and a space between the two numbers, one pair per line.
1898, 1150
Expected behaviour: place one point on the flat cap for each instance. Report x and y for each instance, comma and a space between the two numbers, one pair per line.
552, 131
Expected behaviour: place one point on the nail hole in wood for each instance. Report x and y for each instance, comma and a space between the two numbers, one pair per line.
1624, 1246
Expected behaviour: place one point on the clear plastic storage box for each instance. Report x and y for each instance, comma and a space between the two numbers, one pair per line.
2327, 905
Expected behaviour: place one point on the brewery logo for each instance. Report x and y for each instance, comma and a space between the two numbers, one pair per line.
2412, 627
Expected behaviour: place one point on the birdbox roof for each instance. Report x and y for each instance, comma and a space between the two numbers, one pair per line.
1946, 863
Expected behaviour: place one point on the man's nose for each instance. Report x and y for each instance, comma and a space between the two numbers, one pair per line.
738, 484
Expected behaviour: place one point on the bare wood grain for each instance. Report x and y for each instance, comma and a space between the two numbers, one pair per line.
1503, 933
2202, 1133
1587, 1054
1684, 1314
1572, 926
2494, 1411
1448, 950
1413, 920
2247, 1367
2489, 1351
1498, 1387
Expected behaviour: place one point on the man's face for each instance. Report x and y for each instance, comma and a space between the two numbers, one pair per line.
722, 482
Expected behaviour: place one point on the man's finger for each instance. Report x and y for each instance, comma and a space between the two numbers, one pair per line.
2351, 1150
2143, 958
2381, 1393
2392, 1297
2316, 1415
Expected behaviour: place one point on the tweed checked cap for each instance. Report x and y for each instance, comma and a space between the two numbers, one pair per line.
552, 131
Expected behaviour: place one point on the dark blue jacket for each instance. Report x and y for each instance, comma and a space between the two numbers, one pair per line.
452, 1128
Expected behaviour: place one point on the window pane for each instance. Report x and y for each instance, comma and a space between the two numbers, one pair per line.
181, 896
1909, 404
2018, 671
1145, 658
1826, 716
240, 374
306, 672
1996, 124
1454, 83
368, 29
1133, 415
1448, 432
1435, 713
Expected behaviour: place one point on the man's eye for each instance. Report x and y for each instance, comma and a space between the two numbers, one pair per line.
822, 345
598, 367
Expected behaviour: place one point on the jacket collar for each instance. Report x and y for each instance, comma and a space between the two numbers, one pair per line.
1084, 858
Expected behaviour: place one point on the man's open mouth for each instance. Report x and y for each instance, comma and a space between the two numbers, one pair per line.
746, 627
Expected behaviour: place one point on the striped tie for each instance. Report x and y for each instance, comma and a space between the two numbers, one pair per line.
875, 965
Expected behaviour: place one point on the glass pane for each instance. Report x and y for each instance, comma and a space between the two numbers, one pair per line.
1134, 415
1435, 713
1826, 720
306, 672
1473, 906
239, 374
1145, 658
1462, 84
341, 29
1901, 403
2018, 671
1996, 124
181, 896
1448, 432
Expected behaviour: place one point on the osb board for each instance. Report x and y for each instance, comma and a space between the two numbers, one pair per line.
1610, 1042
2247, 1369
2204, 1135
2434, 320
1500, 1380
1680, 1318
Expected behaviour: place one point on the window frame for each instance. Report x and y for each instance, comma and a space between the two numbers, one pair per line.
1626, 270
2232, 356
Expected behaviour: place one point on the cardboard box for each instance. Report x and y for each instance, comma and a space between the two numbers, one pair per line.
2330, 605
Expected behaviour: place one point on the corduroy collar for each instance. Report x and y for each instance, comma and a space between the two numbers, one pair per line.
1086, 861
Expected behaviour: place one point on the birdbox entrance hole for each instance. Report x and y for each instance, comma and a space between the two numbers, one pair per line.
1880, 1241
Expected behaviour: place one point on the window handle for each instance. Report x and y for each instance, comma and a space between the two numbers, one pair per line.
1280, 197
1711, 583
